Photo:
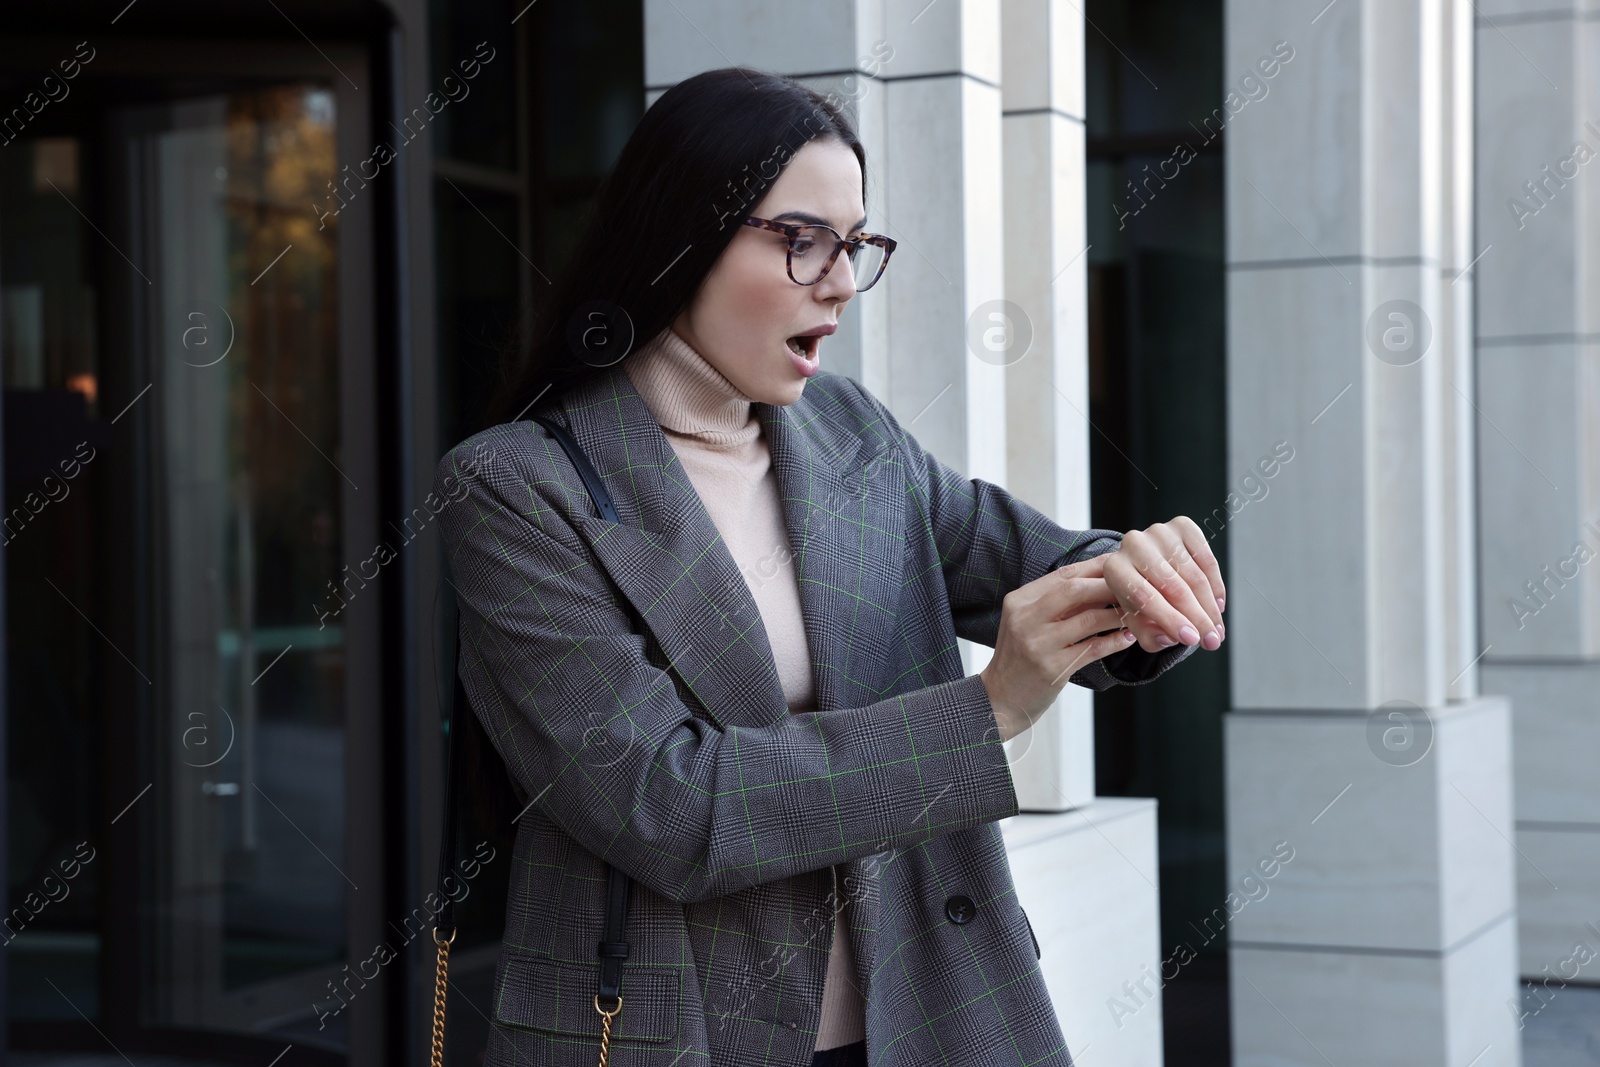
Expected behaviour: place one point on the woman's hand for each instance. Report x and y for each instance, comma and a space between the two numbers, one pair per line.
1168, 584
1048, 631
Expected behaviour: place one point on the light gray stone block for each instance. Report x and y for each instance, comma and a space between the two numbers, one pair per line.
1530, 115
1297, 365
1540, 408
1307, 1007
944, 206
1042, 56
1556, 738
1294, 180
1046, 280
1386, 857
1558, 889
944, 37
1087, 880
685, 38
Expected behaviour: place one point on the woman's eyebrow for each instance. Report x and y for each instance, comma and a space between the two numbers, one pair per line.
813, 220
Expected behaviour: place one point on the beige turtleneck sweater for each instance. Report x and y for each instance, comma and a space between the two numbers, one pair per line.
718, 439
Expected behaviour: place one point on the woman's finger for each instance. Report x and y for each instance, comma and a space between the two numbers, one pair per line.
1199, 546
1142, 582
1176, 553
1089, 622
1076, 657
1072, 595
1093, 567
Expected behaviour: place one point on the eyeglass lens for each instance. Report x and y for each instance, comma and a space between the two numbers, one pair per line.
811, 248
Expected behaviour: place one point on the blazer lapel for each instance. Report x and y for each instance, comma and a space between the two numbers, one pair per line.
844, 509
844, 515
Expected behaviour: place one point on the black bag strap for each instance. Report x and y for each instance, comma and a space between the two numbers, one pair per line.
591, 479
612, 948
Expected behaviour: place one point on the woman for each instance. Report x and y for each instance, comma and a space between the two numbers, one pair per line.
747, 693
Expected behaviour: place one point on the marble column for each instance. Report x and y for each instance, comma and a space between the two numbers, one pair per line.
1039, 334
1365, 772
1538, 202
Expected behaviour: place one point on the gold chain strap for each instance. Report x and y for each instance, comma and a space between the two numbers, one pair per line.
605, 1026
441, 983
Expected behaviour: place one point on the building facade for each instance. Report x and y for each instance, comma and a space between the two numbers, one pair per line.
1321, 275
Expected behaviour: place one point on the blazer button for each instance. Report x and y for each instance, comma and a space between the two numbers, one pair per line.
960, 909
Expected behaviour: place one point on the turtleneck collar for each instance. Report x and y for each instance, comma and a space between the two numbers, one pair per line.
688, 396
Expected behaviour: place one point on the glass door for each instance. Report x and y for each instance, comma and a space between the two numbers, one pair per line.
246, 500
192, 628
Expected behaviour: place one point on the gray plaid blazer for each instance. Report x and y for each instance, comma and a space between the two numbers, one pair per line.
623, 673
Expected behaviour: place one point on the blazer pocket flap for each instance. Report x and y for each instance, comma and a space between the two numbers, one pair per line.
1036, 953
541, 993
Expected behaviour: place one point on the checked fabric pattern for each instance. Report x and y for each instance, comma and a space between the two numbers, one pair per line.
623, 674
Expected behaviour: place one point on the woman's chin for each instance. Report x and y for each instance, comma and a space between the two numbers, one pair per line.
784, 393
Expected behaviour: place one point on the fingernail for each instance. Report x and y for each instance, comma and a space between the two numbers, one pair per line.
1189, 636
1127, 635
1165, 642
1222, 603
1211, 641
1222, 629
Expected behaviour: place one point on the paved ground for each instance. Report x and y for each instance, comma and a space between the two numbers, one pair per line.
1566, 1032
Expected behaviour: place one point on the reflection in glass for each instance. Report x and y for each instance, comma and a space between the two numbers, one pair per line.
247, 838
55, 435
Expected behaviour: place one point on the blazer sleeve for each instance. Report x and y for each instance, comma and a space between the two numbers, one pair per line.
990, 542
599, 737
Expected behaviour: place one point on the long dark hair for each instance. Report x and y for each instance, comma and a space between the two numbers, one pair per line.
698, 162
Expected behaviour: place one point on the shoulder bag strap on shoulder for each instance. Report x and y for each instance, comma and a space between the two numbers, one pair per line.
591, 479
612, 948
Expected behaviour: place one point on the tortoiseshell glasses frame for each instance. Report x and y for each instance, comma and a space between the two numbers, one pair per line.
795, 231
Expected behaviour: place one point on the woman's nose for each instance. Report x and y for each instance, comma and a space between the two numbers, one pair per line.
840, 281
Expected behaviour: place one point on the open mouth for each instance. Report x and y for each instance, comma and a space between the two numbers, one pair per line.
804, 347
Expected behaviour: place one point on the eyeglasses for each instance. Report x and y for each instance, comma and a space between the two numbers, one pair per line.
869, 253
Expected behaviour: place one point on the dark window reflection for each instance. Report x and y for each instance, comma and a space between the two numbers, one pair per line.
479, 124
1157, 398
53, 436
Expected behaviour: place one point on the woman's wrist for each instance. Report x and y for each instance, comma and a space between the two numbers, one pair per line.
1009, 721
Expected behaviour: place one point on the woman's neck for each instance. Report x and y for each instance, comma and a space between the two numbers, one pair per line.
688, 396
